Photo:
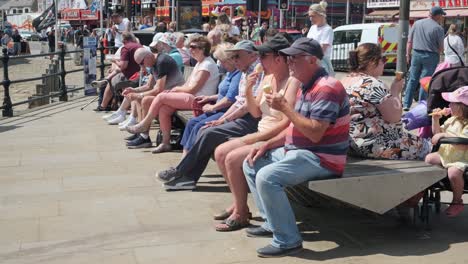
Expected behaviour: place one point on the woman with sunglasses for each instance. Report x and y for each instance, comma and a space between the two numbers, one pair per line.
376, 128
215, 105
230, 155
202, 81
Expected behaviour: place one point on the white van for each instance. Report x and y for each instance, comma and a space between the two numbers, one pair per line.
348, 37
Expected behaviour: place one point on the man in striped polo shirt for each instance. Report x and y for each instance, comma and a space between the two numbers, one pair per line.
313, 147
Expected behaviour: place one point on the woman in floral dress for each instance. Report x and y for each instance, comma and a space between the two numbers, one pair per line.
376, 130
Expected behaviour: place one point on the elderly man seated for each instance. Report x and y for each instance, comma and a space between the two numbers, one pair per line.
313, 147
124, 75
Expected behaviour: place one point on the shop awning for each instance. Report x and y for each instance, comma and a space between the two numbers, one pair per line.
456, 12
419, 14
384, 13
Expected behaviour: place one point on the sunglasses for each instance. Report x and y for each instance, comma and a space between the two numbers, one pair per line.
263, 55
193, 46
295, 57
235, 57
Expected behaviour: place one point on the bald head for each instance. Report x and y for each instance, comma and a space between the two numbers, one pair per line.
141, 54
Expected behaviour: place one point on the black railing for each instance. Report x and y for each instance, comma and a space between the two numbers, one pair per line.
7, 106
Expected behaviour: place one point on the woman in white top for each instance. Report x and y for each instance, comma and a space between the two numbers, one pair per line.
457, 44
202, 81
230, 155
322, 33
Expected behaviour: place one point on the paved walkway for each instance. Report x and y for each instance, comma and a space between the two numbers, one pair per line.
70, 192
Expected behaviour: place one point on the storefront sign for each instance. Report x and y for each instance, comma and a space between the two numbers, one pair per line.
162, 11
382, 3
89, 15
71, 14
446, 4
89, 62
419, 4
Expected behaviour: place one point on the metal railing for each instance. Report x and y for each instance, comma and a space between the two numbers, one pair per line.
340, 55
7, 106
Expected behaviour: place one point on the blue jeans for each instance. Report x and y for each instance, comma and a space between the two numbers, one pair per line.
423, 64
267, 179
194, 125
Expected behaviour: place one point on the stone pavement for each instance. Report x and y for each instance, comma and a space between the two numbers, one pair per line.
70, 192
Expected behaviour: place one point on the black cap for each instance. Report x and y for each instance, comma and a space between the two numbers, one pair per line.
275, 44
304, 45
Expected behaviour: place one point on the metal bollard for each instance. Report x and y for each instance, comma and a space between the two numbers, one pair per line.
63, 86
8, 108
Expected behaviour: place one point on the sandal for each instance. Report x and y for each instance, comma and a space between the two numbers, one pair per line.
454, 209
231, 225
162, 148
224, 214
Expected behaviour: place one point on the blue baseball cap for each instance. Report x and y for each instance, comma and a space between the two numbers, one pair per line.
437, 10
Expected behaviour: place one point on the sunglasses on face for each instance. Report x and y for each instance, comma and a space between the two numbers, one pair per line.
293, 58
194, 46
235, 57
263, 55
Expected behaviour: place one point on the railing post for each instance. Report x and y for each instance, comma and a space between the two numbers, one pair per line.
8, 108
64, 95
101, 66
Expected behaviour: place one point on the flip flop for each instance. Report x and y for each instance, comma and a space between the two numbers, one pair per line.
231, 225
223, 215
454, 209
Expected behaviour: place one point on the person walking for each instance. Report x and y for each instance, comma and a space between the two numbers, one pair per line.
16, 42
322, 33
454, 48
425, 43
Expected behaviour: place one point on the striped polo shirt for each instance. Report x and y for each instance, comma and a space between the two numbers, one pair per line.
324, 100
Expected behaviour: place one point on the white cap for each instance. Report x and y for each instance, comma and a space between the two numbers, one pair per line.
156, 38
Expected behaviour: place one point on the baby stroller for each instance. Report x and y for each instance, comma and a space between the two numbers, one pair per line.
447, 80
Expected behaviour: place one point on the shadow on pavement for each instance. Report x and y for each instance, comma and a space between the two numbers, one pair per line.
7, 128
350, 232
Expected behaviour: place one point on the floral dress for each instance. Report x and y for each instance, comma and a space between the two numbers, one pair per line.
371, 136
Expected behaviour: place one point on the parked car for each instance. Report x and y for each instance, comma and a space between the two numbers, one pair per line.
29, 35
346, 38
294, 33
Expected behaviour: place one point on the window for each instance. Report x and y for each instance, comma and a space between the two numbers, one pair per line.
342, 37
13, 11
20, 11
26, 10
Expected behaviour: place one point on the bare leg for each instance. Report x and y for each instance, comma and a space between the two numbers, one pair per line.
146, 103
125, 104
221, 153
433, 158
107, 96
457, 183
165, 119
238, 184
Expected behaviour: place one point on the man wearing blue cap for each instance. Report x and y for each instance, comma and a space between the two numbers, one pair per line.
313, 147
425, 43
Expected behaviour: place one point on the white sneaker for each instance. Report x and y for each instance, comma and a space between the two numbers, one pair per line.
117, 120
123, 123
110, 116
131, 122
